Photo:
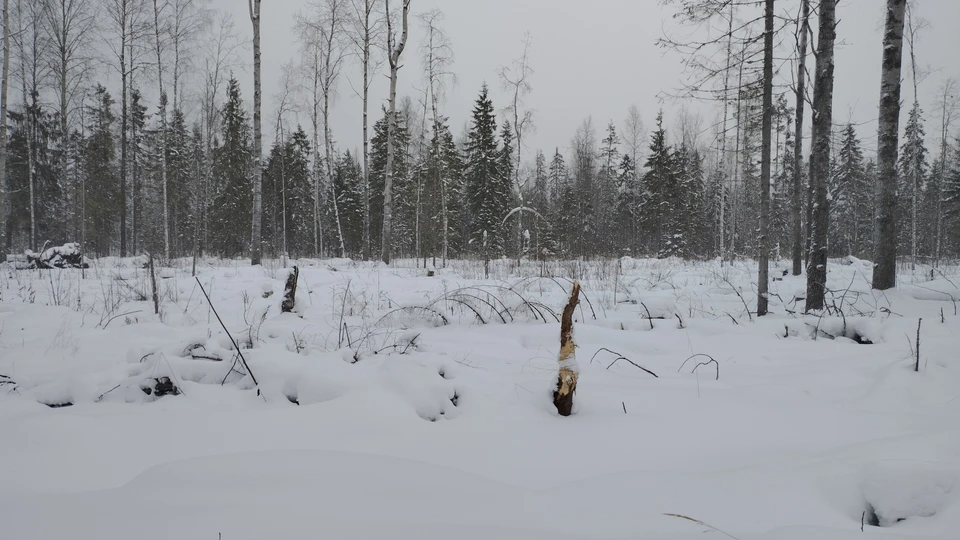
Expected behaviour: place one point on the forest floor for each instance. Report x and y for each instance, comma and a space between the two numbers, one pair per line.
395, 405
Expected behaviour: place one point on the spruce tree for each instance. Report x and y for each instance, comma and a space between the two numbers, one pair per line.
233, 164
487, 195
847, 195
180, 167
629, 202
50, 212
659, 184
606, 194
913, 174
102, 189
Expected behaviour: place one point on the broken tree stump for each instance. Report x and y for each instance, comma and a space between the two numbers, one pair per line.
290, 291
569, 369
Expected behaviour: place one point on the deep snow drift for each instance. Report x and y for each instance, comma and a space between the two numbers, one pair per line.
395, 405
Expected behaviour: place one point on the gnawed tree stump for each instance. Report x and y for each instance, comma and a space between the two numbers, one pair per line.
569, 369
290, 291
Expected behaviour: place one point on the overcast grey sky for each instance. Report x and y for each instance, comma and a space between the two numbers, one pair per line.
592, 58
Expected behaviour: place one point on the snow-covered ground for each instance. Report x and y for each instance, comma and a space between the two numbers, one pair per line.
396, 405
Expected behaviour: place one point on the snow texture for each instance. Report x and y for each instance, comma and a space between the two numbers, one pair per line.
396, 405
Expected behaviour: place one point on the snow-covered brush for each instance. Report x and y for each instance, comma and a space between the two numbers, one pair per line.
709, 361
618, 358
7, 384
235, 345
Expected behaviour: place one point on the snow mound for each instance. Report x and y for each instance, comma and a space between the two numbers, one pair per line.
897, 491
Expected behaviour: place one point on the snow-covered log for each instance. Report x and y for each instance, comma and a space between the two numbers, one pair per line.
65, 256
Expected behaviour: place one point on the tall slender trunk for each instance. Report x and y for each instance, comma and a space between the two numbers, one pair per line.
797, 195
763, 274
394, 57
820, 155
366, 138
328, 148
163, 133
722, 162
944, 133
256, 247
735, 210
124, 119
315, 121
4, 83
885, 257
64, 112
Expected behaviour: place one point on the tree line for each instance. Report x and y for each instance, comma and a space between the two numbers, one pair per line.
185, 174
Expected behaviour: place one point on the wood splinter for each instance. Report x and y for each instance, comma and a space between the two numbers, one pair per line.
569, 369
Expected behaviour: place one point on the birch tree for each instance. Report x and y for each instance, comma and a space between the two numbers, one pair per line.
31, 44
159, 30
69, 25
365, 30
256, 248
187, 21
803, 21
888, 131
4, 84
437, 52
327, 30
394, 53
219, 57
763, 277
123, 29
515, 79
914, 25
820, 155
948, 101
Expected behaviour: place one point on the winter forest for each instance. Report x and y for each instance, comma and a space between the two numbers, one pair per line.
518, 269
189, 169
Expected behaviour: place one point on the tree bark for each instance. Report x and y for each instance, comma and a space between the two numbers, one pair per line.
569, 370
256, 248
163, 132
290, 291
4, 83
820, 155
885, 257
763, 273
394, 53
797, 195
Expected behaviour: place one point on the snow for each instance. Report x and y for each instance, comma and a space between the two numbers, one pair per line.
375, 419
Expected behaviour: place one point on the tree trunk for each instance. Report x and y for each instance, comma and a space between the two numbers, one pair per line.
885, 257
328, 145
256, 247
820, 155
366, 137
797, 195
4, 83
569, 370
315, 171
163, 134
763, 274
123, 145
386, 243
